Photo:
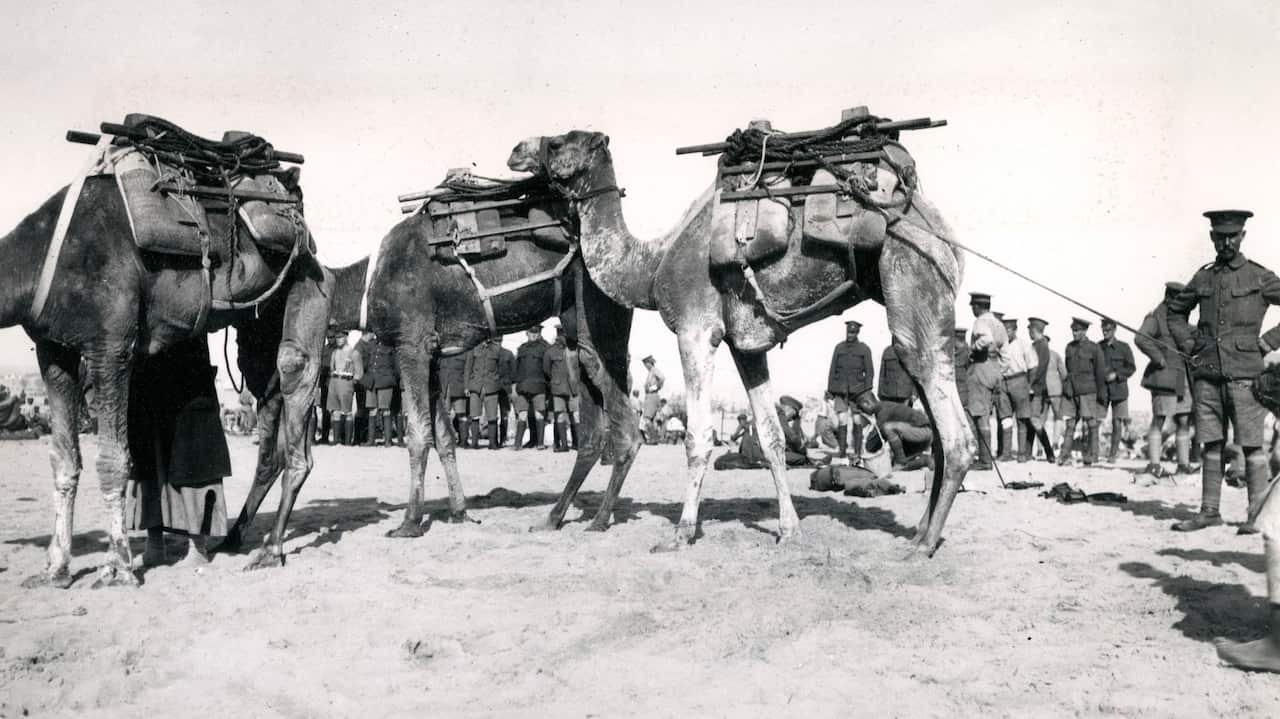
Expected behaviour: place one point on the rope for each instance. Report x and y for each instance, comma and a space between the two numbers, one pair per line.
226, 361
205, 158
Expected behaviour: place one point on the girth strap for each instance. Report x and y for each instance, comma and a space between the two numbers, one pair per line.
486, 294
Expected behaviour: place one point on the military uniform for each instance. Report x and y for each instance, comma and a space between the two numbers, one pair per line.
895, 384
453, 387
380, 383
346, 369
1086, 377
507, 375
1119, 361
1232, 295
531, 391
851, 373
558, 365
1166, 378
484, 379
1038, 378
960, 357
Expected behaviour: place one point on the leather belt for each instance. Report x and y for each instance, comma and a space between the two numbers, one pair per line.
344, 375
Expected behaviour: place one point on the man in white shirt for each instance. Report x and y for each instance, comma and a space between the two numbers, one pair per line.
1019, 360
987, 341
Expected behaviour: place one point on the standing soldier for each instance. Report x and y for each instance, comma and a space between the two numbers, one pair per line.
895, 383
531, 388
653, 382
556, 364
1086, 377
987, 341
483, 382
1120, 367
960, 356
345, 370
326, 355
362, 414
383, 374
1233, 294
453, 387
1055, 378
1020, 362
1039, 378
1166, 378
506, 385
850, 375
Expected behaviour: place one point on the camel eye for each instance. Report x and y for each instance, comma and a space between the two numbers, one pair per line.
555, 143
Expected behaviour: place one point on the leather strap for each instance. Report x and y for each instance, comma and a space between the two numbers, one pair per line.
486, 295
69, 202
368, 278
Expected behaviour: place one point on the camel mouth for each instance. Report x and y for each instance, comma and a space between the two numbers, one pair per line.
524, 157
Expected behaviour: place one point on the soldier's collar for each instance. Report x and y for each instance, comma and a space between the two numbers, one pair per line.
1236, 262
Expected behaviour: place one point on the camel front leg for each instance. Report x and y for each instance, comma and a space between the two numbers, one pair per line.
60, 367
111, 373
619, 426
697, 358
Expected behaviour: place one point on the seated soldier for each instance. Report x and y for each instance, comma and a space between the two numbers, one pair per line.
907, 431
11, 419
792, 435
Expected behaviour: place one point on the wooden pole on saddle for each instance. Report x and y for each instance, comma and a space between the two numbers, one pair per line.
110, 128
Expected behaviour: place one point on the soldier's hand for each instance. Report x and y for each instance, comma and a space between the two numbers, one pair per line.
1262, 345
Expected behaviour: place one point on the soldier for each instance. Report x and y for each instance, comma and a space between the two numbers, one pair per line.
1233, 294
531, 388
1120, 367
1003, 407
653, 382
382, 377
1166, 378
346, 369
960, 356
1039, 379
323, 381
1019, 363
453, 387
484, 380
895, 384
557, 364
850, 375
988, 339
1086, 377
361, 418
1055, 378
506, 384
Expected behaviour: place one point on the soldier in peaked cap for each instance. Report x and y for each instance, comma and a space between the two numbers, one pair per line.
1120, 367
1038, 377
987, 342
1086, 377
1166, 379
1018, 364
852, 368
1233, 294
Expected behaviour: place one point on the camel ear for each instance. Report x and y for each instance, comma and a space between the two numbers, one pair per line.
291, 176
600, 140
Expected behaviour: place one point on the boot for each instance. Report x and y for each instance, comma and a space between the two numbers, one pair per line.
518, 445
1091, 440
1045, 444
1257, 478
1210, 494
1006, 445
538, 438
1024, 442
573, 433
503, 425
984, 445
493, 436
842, 440
1117, 436
461, 431
1001, 447
1262, 654
897, 454
402, 421
1182, 445
325, 425
475, 433
533, 431
392, 423
348, 431
559, 438
856, 447
371, 424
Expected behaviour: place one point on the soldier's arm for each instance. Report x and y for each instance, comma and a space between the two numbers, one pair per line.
870, 366
1180, 306
1270, 340
1041, 368
1129, 366
357, 362
1147, 345
1100, 370
831, 371
546, 364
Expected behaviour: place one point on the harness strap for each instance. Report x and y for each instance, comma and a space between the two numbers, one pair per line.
69, 202
280, 278
486, 295
364, 294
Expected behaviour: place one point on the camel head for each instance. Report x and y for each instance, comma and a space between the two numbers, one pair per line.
562, 158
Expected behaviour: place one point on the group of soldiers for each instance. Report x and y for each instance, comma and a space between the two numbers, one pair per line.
361, 394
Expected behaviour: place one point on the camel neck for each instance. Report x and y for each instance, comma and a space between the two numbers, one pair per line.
619, 263
348, 290
22, 254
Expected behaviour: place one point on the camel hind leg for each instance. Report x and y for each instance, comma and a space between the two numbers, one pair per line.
60, 368
920, 303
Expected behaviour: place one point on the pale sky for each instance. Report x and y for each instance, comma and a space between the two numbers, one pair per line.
1085, 138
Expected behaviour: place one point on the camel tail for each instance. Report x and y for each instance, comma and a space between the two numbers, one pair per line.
935, 449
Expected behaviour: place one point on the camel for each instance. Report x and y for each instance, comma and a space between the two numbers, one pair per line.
427, 309
110, 305
915, 276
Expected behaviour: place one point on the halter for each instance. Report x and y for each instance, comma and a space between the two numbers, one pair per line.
544, 161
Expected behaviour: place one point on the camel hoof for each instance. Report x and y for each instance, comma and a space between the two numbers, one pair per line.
790, 536
461, 518
1262, 655
265, 559
407, 530
545, 526
112, 576
598, 525
60, 579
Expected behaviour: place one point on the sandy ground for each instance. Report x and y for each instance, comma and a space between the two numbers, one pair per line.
1031, 608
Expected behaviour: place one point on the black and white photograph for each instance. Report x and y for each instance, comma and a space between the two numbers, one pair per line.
602, 359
